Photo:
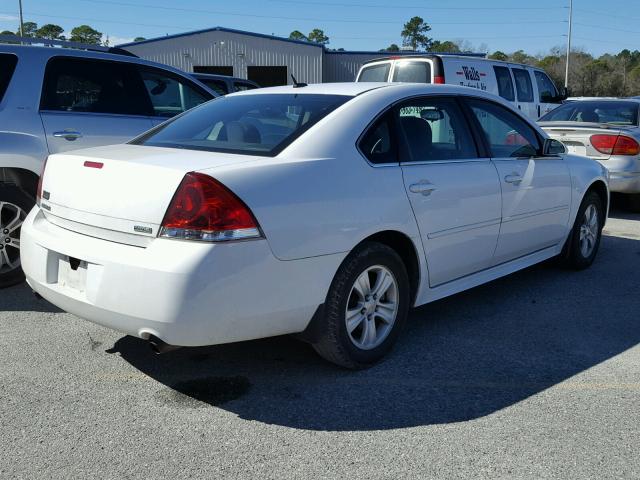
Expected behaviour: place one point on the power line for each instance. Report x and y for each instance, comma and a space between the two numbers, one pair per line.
395, 6
608, 28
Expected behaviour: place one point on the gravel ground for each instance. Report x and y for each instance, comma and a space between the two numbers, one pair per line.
533, 376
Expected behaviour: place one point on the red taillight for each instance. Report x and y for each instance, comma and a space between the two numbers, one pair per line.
615, 144
40, 179
204, 209
438, 79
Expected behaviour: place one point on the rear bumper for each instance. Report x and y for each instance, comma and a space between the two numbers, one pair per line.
624, 174
185, 293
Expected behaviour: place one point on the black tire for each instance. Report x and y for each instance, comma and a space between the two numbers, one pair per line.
573, 256
13, 195
334, 342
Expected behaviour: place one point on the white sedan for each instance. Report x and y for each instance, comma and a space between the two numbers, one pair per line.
322, 210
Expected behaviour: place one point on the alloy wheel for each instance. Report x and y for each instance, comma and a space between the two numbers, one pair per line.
589, 231
372, 307
11, 219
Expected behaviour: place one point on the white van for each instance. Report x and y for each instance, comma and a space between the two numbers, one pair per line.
529, 89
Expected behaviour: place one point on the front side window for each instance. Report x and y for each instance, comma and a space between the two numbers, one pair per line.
412, 72
170, 94
546, 89
612, 112
375, 73
246, 124
524, 87
505, 85
8, 64
506, 133
95, 86
378, 143
435, 129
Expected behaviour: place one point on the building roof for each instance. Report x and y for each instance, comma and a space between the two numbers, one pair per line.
222, 29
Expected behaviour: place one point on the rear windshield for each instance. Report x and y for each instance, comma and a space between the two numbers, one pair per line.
412, 72
8, 64
247, 124
375, 73
615, 113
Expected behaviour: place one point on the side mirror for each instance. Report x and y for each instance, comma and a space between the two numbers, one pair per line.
563, 94
553, 147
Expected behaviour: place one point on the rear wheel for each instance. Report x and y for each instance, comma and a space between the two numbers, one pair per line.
584, 241
15, 204
365, 309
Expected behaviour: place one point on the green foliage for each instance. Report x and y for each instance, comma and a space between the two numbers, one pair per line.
298, 35
414, 34
50, 31
86, 34
139, 39
317, 36
498, 55
391, 48
444, 47
28, 29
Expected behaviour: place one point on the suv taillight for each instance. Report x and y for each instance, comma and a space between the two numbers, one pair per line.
40, 179
204, 209
615, 144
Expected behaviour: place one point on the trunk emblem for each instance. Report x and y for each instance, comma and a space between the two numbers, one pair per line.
93, 164
141, 229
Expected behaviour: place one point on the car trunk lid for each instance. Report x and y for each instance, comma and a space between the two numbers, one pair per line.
121, 192
576, 136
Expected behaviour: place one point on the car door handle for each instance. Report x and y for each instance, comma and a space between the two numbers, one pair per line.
513, 178
423, 186
70, 135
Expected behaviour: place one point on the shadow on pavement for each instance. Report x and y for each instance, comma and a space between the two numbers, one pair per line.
20, 298
461, 358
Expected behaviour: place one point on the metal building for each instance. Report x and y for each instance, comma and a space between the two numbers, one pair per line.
267, 60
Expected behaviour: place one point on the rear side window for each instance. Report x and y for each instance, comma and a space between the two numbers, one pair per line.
217, 86
375, 73
247, 124
378, 144
95, 86
242, 86
506, 133
505, 85
412, 72
170, 94
546, 88
435, 129
8, 64
524, 87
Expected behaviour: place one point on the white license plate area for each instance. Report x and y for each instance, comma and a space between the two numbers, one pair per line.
577, 149
72, 273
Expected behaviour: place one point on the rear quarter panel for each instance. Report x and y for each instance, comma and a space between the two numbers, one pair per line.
584, 174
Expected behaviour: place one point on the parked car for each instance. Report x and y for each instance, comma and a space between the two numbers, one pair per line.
606, 130
223, 84
527, 88
323, 210
58, 99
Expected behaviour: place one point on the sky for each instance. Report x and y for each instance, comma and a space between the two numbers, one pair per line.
507, 25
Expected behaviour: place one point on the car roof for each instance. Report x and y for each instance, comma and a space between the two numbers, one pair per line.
214, 76
346, 88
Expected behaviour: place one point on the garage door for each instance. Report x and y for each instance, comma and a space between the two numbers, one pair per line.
216, 70
268, 76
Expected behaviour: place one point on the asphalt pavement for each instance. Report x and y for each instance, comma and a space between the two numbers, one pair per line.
533, 376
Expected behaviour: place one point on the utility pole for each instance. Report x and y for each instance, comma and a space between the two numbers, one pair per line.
21, 21
566, 72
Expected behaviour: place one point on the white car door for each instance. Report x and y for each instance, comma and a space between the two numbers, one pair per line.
525, 100
454, 192
536, 190
90, 102
548, 96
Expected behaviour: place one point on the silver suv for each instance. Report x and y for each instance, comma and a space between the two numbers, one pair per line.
58, 99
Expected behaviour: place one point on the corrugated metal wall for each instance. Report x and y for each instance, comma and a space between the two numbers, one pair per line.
344, 66
219, 48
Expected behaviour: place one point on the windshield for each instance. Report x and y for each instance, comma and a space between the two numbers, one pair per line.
248, 124
616, 113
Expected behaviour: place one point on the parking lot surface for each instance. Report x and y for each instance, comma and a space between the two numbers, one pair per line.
536, 375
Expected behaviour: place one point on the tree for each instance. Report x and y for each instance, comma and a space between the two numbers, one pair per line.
28, 29
139, 39
50, 31
298, 35
86, 34
317, 36
414, 34
391, 48
444, 47
498, 55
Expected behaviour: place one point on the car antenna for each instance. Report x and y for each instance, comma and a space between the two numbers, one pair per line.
297, 84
